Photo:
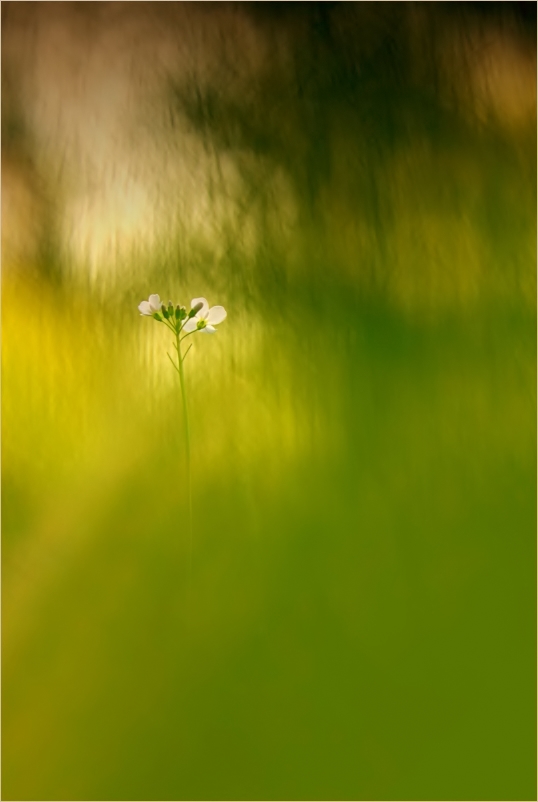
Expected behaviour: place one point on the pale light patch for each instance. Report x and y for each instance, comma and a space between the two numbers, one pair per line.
125, 168
503, 74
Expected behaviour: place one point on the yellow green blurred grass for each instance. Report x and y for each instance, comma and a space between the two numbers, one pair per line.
362, 615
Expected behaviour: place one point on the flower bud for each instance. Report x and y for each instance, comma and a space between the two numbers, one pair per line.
195, 309
181, 312
164, 310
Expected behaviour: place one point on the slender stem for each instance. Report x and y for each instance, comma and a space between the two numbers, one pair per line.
187, 442
172, 361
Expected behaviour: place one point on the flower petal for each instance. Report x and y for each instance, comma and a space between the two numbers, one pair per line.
144, 308
216, 314
205, 306
190, 325
155, 303
208, 330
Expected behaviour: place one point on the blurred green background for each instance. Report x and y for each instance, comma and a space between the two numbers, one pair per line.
355, 183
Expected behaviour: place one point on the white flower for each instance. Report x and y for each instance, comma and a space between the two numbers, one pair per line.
150, 307
205, 319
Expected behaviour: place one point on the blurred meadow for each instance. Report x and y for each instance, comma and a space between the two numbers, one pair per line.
356, 184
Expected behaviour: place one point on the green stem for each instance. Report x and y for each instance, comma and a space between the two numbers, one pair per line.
187, 442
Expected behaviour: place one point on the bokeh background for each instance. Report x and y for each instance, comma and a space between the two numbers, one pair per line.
356, 184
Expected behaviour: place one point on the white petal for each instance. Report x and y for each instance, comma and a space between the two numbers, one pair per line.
208, 330
190, 325
205, 306
216, 314
144, 308
155, 303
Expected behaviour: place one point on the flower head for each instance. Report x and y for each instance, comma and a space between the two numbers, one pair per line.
151, 307
204, 319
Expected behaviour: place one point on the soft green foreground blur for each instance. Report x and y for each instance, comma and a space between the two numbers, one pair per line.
362, 619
